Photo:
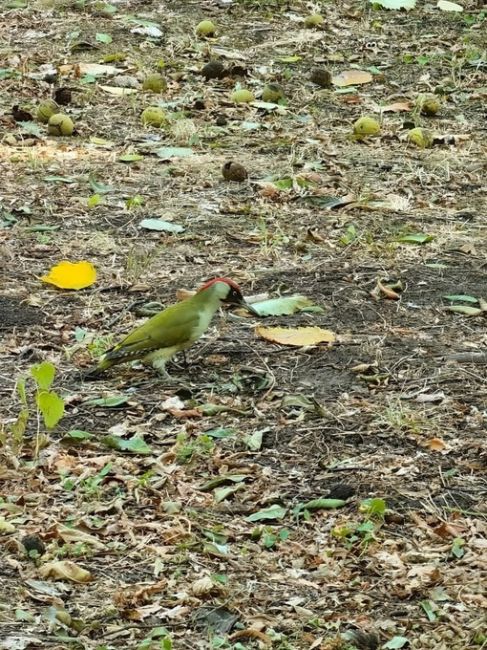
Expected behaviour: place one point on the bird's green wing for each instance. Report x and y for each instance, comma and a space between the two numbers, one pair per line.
173, 326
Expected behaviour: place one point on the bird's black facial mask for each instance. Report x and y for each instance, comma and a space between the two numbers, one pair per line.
235, 298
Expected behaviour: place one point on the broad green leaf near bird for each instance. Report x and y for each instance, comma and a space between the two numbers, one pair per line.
174, 329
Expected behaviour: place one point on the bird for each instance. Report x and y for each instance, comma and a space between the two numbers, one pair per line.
174, 329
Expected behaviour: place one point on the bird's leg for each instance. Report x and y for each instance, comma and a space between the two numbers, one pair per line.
160, 366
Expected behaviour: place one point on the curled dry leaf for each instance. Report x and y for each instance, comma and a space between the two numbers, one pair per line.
203, 586
435, 444
65, 570
299, 336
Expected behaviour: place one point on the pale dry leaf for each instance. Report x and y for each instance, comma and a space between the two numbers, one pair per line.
73, 535
445, 5
65, 570
397, 107
299, 336
351, 78
203, 586
118, 91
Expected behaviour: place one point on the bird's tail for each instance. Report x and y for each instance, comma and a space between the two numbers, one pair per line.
96, 371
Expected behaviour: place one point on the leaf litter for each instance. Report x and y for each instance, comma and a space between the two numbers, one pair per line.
131, 551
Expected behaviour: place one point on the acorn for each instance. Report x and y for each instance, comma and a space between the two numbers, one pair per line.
422, 138
155, 83
321, 77
365, 127
428, 104
205, 28
46, 110
232, 171
272, 93
242, 96
153, 116
314, 20
213, 70
60, 124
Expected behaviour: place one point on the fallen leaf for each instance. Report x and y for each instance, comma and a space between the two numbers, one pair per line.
6, 527
284, 306
71, 275
466, 310
445, 5
65, 570
397, 107
95, 69
299, 336
351, 78
435, 444
272, 512
395, 4
119, 91
161, 225
415, 238
71, 535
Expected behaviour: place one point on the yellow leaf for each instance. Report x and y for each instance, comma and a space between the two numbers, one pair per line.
299, 336
351, 78
71, 275
65, 570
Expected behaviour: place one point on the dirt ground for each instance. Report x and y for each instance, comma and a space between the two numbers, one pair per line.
203, 539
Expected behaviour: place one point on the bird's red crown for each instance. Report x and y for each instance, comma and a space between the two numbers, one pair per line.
231, 283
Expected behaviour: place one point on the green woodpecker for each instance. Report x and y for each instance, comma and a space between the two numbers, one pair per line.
174, 329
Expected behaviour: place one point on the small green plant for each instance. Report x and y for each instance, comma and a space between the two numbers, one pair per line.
90, 486
157, 639
48, 405
134, 202
362, 534
187, 450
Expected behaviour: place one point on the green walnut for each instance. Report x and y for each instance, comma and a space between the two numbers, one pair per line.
154, 116
205, 28
422, 138
46, 110
242, 96
155, 83
314, 20
365, 127
428, 104
60, 124
272, 93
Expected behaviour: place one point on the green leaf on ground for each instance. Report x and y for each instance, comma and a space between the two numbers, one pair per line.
109, 402
136, 444
284, 306
161, 225
275, 511
415, 238
166, 153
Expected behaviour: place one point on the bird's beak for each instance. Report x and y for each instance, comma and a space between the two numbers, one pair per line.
240, 302
250, 309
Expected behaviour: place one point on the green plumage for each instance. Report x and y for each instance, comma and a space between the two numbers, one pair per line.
168, 332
